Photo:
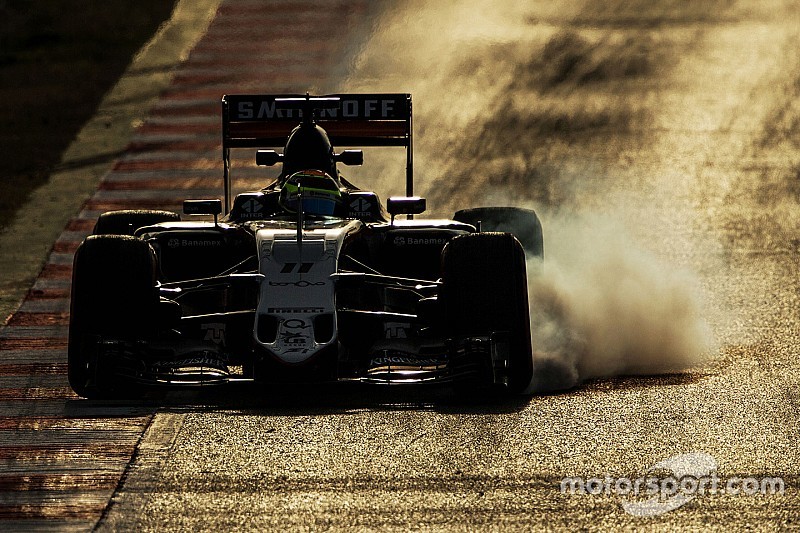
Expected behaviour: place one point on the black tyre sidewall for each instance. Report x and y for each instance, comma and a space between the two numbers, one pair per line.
114, 295
485, 290
126, 222
523, 223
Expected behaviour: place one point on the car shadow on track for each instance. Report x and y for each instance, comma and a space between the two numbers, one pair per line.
304, 399
342, 398
622, 383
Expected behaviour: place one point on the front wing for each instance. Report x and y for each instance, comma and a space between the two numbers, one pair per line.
481, 360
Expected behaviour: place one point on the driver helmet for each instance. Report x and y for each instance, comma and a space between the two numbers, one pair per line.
308, 147
318, 191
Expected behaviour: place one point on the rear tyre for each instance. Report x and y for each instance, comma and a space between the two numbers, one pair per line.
114, 296
485, 290
126, 222
523, 223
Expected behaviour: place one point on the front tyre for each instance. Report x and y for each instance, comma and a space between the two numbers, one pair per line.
524, 224
484, 291
114, 296
127, 221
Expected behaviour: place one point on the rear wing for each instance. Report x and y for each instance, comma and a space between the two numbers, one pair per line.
265, 121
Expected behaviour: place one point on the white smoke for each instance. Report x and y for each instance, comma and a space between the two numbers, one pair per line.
496, 90
605, 306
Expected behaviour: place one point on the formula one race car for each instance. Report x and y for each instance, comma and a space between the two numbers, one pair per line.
309, 279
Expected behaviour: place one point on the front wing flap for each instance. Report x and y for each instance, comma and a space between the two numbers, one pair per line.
481, 359
138, 363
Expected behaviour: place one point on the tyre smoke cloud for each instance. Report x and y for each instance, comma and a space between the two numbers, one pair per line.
604, 306
507, 108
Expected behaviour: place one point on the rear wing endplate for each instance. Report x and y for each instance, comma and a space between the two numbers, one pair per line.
265, 121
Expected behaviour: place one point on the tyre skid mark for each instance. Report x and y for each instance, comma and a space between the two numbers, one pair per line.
170, 164
36, 393
104, 205
51, 270
29, 344
62, 451
39, 319
165, 185
62, 482
64, 423
189, 145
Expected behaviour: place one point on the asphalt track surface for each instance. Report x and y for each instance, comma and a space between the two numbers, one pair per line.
693, 146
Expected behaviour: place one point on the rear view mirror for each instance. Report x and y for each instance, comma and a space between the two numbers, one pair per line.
351, 157
268, 158
202, 207
405, 205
